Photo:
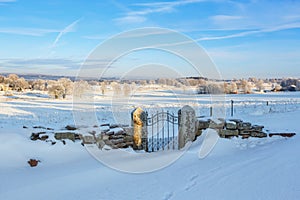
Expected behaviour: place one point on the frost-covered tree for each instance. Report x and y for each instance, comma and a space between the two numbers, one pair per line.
39, 85
82, 88
233, 88
67, 84
20, 84
56, 91
126, 89
103, 87
259, 85
246, 86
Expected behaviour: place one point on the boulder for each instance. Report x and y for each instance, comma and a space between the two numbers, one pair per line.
33, 162
202, 124
64, 136
88, 139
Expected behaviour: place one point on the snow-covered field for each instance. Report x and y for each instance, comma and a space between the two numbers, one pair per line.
236, 169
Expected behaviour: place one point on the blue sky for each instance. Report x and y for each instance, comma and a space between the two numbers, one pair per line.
243, 38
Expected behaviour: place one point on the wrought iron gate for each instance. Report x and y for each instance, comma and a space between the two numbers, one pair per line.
162, 129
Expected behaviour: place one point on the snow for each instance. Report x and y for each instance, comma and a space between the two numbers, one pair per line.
253, 168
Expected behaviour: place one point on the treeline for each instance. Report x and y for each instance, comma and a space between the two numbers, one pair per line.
62, 87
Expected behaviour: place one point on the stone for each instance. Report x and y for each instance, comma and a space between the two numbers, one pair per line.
44, 137
110, 133
117, 141
231, 125
224, 132
202, 124
70, 128
216, 124
33, 162
114, 126
128, 130
245, 136
25, 127
122, 145
198, 133
120, 132
128, 138
257, 128
115, 136
100, 144
65, 135
237, 121
139, 120
244, 126
258, 134
187, 126
88, 139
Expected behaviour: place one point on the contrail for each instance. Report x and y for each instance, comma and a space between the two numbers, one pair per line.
67, 29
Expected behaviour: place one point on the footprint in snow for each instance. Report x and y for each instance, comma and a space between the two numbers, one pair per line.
192, 183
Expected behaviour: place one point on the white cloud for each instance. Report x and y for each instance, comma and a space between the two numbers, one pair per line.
130, 19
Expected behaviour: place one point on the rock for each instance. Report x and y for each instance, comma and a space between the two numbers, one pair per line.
237, 121
117, 141
224, 133
244, 126
108, 142
258, 134
35, 136
114, 126
122, 145
128, 130
120, 132
216, 124
70, 128
128, 138
87, 139
202, 124
50, 129
39, 127
231, 125
64, 142
198, 133
65, 135
104, 125
245, 136
116, 136
33, 162
110, 133
100, 144
44, 137
130, 144
257, 128
282, 134
25, 127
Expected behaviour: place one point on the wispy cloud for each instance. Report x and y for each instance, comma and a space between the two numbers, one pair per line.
67, 29
28, 31
150, 8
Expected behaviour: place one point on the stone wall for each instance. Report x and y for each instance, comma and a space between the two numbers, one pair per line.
231, 128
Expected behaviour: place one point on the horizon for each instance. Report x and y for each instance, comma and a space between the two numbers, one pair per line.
243, 38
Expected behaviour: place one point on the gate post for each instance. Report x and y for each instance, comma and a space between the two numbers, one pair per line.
140, 135
186, 123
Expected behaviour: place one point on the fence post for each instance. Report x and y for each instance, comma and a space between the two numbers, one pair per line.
231, 108
140, 135
186, 123
211, 111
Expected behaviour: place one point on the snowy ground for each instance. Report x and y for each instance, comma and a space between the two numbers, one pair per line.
235, 169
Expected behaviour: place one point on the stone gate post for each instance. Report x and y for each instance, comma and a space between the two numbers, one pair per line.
186, 129
139, 123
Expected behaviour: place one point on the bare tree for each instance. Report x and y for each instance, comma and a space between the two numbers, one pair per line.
259, 85
233, 88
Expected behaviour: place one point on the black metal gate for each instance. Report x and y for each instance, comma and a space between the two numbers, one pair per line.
162, 129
